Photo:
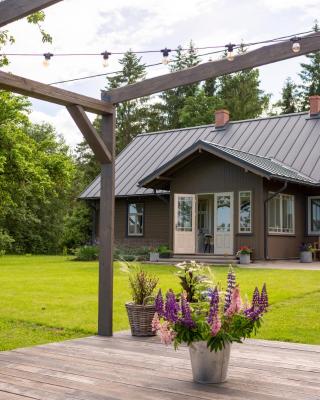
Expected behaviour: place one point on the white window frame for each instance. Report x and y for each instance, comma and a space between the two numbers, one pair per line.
239, 211
310, 232
281, 232
137, 213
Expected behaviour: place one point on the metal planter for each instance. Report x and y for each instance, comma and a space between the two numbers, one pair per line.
244, 259
306, 256
209, 366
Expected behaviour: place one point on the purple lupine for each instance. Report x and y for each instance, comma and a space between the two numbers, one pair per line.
159, 303
253, 313
256, 298
171, 307
231, 286
264, 301
214, 305
186, 318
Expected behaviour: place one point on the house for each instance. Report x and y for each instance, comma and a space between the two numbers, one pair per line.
217, 187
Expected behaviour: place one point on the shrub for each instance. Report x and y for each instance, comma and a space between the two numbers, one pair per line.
5, 242
87, 253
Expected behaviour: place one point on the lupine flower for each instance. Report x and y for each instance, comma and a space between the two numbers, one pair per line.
155, 322
171, 307
236, 302
216, 325
214, 305
186, 318
159, 304
231, 286
256, 298
264, 301
165, 333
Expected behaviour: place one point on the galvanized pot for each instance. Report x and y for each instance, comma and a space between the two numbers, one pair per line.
306, 257
209, 366
245, 259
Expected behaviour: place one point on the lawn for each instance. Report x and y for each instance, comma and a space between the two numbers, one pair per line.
52, 298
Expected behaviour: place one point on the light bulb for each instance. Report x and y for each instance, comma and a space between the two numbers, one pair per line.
47, 58
105, 56
230, 54
165, 52
296, 47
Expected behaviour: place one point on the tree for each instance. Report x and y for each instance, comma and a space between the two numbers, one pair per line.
310, 76
289, 102
198, 109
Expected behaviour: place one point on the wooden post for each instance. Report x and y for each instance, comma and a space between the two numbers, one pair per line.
106, 229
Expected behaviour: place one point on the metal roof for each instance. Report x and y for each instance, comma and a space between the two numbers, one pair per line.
264, 166
292, 140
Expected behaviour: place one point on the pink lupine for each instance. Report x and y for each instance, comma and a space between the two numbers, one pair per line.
165, 333
216, 325
236, 302
155, 322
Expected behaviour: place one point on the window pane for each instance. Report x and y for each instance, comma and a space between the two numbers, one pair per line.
315, 215
184, 222
203, 214
245, 212
135, 219
223, 214
281, 214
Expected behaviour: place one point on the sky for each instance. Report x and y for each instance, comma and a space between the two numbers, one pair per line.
79, 26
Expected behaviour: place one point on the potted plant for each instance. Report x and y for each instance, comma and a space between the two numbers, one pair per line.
164, 251
209, 327
244, 254
154, 254
306, 251
142, 308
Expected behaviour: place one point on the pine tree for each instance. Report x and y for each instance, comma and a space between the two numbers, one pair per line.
289, 99
310, 76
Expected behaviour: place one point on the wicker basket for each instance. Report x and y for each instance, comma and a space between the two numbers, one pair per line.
140, 318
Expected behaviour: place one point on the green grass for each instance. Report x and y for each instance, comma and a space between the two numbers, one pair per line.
51, 298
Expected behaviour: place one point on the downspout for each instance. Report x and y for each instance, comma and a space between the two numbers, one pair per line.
266, 201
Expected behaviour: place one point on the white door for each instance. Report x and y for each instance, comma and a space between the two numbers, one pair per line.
223, 223
184, 224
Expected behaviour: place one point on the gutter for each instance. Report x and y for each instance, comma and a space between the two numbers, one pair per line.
266, 201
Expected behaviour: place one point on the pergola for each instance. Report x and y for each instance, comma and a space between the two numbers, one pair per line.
104, 147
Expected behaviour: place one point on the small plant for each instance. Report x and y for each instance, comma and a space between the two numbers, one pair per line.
5, 242
222, 318
244, 250
164, 251
142, 283
306, 247
87, 253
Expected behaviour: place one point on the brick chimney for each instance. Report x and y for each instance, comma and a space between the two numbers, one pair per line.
221, 118
314, 106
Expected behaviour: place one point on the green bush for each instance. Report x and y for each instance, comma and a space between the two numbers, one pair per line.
5, 242
131, 253
87, 253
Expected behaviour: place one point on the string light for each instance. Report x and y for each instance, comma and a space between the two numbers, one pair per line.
296, 44
230, 54
165, 52
105, 56
47, 58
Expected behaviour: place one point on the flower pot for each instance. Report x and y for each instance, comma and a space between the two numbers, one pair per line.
209, 366
306, 256
154, 257
244, 258
140, 318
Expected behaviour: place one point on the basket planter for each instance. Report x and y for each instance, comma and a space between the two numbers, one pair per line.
209, 366
244, 258
154, 257
306, 256
140, 319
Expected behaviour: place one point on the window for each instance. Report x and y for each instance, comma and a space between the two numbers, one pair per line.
281, 214
314, 215
135, 219
184, 222
245, 212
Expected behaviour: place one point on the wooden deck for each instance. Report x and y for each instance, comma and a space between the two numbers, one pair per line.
121, 367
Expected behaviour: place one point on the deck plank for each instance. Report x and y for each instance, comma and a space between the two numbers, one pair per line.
122, 367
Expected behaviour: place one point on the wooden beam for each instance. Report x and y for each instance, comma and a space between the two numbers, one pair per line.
106, 236
94, 140
12, 10
262, 56
52, 94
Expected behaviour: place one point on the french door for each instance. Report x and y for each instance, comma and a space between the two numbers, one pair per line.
184, 238
223, 223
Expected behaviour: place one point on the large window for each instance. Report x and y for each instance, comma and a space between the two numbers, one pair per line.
135, 219
314, 215
281, 214
184, 220
245, 212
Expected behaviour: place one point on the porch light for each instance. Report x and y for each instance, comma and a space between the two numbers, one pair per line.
230, 54
295, 44
47, 58
165, 52
105, 56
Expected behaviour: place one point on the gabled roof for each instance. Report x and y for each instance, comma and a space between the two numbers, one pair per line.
263, 166
292, 140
